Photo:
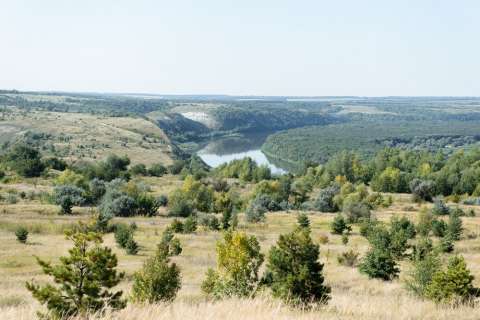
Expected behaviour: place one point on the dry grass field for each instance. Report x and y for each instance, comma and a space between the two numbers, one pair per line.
90, 137
354, 296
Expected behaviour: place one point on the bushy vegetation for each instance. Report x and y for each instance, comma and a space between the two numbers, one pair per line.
293, 271
238, 262
84, 278
159, 279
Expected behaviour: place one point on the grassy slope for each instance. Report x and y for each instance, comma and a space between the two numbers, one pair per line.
354, 296
92, 136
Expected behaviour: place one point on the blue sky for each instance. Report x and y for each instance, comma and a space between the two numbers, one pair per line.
263, 47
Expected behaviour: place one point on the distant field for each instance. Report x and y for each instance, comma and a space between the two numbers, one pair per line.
85, 136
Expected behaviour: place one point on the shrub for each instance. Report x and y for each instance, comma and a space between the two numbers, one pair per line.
123, 206
176, 226
25, 161
157, 281
97, 189
123, 234
238, 261
169, 245
345, 239
55, 163
348, 258
422, 190
446, 245
67, 196
303, 221
356, 211
139, 170
22, 234
453, 285
324, 201
339, 225
84, 278
131, 246
157, 170
366, 226
181, 208
422, 271
226, 219
439, 228
455, 226
162, 200
255, 213
440, 208
146, 205
293, 271
379, 264
190, 225
424, 224
403, 225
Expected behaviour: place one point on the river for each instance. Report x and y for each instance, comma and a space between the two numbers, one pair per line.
226, 149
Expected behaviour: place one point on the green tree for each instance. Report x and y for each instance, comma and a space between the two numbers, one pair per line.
293, 271
25, 160
22, 234
303, 221
67, 196
454, 226
339, 225
84, 278
238, 261
158, 281
453, 285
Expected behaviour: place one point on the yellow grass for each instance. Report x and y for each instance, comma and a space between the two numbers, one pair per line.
354, 296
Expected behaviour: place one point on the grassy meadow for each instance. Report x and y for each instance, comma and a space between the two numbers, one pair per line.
354, 296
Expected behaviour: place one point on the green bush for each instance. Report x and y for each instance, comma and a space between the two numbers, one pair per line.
255, 213
169, 245
455, 226
67, 196
379, 264
424, 266
190, 225
452, 285
123, 234
22, 234
25, 161
131, 246
83, 279
439, 228
157, 281
293, 271
157, 170
339, 225
238, 261
303, 221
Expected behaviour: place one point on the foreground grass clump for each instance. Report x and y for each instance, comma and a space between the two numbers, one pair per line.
84, 278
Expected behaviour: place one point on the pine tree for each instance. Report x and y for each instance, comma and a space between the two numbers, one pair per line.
84, 278
454, 227
293, 271
455, 284
158, 280
303, 221
339, 225
22, 234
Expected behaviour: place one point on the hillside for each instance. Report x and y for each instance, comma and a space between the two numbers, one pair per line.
85, 136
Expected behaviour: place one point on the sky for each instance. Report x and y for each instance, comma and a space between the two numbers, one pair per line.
243, 47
